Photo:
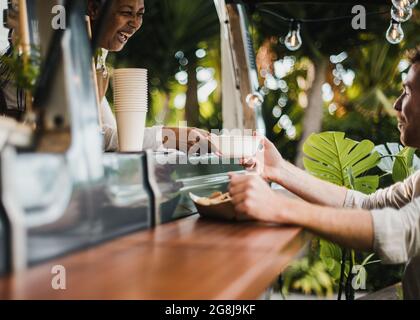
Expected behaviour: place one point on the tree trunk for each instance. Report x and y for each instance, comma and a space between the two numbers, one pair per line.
192, 108
164, 113
312, 120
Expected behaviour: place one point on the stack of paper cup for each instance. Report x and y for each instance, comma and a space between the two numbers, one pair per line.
131, 106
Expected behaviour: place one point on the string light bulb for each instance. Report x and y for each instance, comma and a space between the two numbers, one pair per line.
255, 100
405, 4
395, 33
293, 39
401, 14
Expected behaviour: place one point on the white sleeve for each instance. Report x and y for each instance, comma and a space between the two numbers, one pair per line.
153, 138
109, 127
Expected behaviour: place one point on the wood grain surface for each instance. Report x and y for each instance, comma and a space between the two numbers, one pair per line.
192, 258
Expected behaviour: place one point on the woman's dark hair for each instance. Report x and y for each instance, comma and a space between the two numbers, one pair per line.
95, 3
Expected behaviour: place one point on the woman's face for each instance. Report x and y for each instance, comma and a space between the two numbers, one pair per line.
125, 19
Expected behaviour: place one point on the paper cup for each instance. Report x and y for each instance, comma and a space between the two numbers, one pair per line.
131, 107
139, 87
134, 94
128, 88
130, 84
131, 89
121, 77
131, 102
236, 146
131, 110
133, 97
131, 125
131, 71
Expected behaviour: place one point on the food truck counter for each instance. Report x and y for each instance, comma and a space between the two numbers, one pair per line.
123, 225
192, 258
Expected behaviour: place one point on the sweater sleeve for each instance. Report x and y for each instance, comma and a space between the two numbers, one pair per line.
395, 214
397, 233
396, 196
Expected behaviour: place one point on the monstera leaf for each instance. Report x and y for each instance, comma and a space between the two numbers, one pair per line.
403, 165
330, 254
388, 151
332, 157
398, 161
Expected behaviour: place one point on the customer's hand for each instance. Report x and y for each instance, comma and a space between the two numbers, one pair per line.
267, 162
252, 196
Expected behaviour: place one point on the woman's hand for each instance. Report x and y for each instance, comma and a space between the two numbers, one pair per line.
188, 140
268, 161
198, 141
252, 196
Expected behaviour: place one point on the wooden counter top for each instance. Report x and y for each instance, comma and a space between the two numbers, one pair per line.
192, 258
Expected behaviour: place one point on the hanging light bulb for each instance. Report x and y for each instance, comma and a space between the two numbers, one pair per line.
395, 33
293, 40
405, 4
255, 100
401, 15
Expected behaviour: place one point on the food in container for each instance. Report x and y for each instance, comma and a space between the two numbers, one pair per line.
218, 206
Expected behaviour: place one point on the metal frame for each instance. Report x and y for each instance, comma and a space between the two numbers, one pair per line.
239, 72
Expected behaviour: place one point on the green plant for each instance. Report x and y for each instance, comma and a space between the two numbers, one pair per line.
397, 161
308, 276
345, 162
332, 157
24, 75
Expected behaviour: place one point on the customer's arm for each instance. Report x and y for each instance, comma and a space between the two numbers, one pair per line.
393, 234
308, 187
396, 196
351, 228
271, 165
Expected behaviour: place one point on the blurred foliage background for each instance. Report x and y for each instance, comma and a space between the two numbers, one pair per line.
341, 79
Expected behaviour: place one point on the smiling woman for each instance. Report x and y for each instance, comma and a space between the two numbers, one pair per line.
125, 19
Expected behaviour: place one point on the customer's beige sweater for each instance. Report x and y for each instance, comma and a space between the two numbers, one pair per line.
396, 221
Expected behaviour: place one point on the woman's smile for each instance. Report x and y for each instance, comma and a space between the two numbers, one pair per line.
123, 37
